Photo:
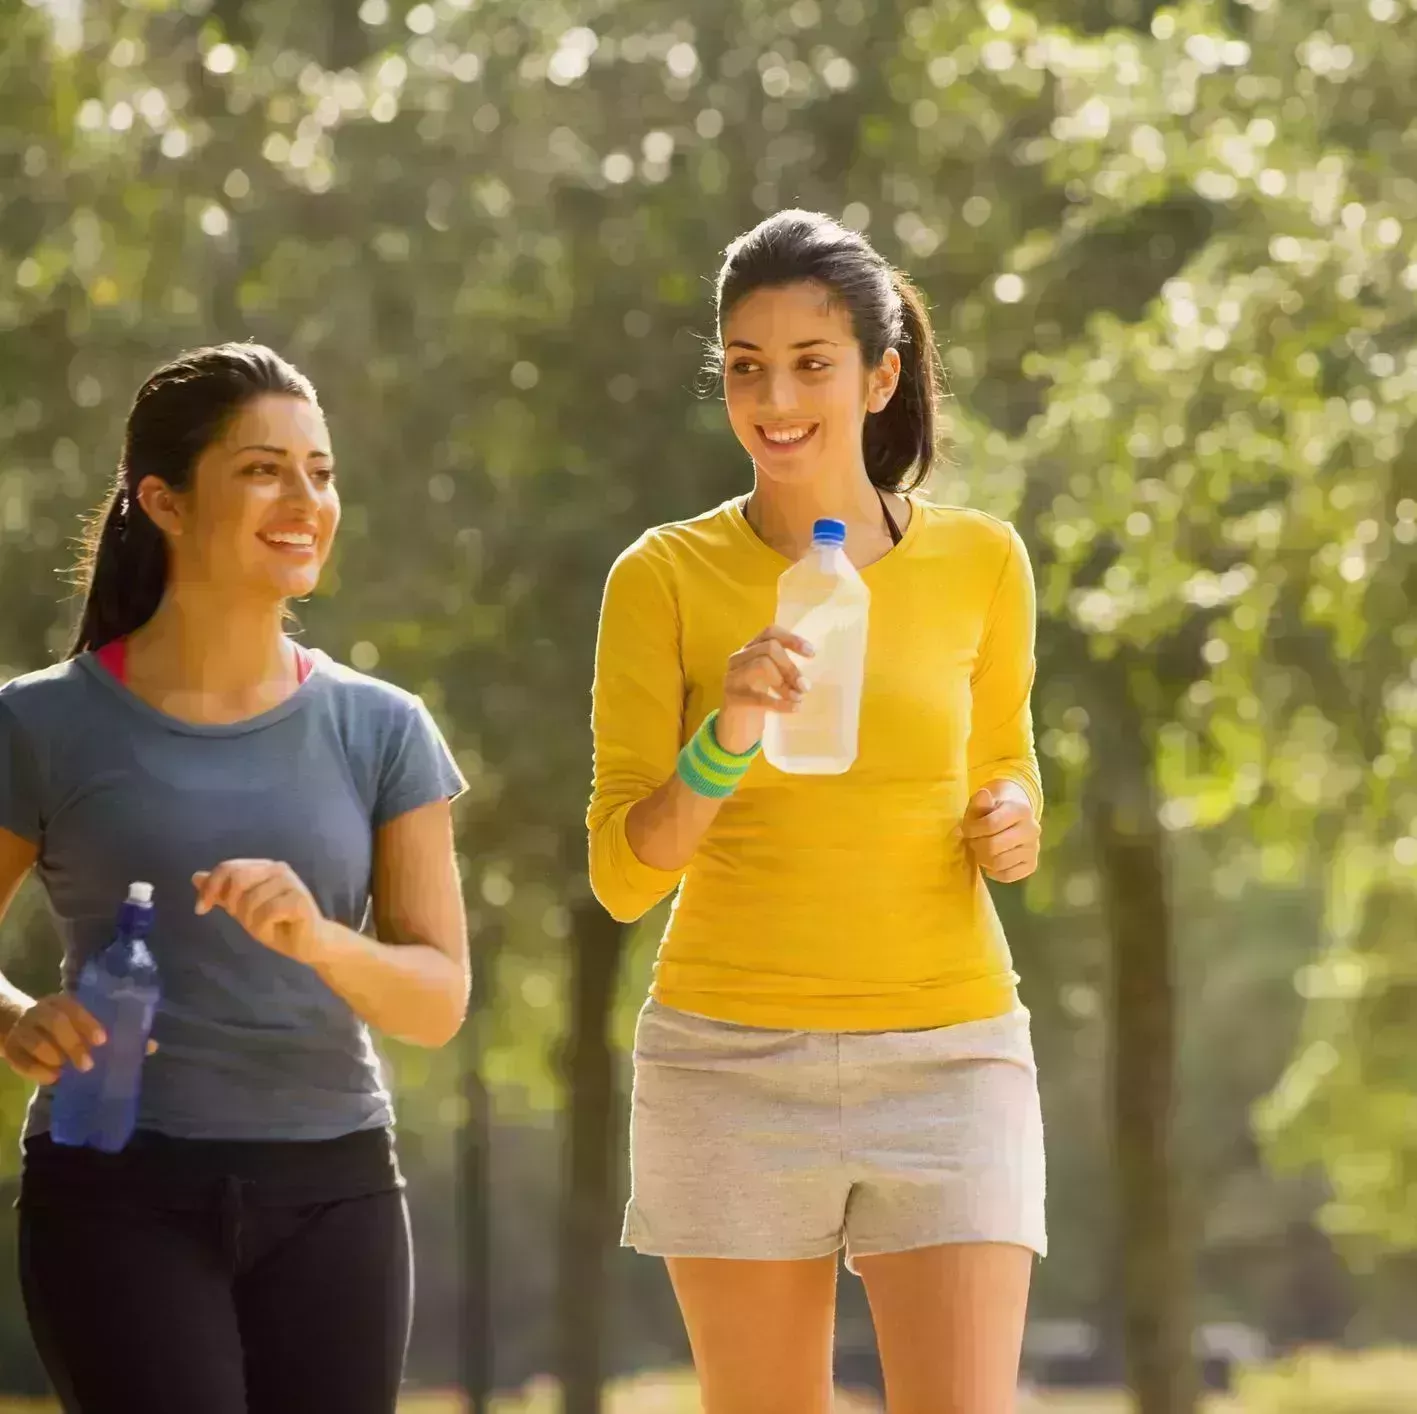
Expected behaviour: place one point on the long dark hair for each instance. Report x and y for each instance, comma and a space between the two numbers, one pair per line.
886, 311
179, 412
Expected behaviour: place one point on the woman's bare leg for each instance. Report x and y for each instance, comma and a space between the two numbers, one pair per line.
949, 1323
761, 1332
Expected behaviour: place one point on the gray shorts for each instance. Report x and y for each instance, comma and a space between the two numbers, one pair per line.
755, 1143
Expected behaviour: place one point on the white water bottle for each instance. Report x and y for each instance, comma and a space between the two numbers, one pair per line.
823, 600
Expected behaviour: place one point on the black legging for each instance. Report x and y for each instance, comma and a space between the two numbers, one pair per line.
196, 1277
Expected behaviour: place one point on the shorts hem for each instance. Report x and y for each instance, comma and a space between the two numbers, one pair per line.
669, 1249
633, 1237
1039, 1247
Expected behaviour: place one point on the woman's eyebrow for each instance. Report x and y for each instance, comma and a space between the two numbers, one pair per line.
804, 344
280, 451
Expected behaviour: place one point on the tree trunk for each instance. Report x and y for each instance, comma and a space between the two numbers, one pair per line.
1155, 1271
588, 1173
474, 1190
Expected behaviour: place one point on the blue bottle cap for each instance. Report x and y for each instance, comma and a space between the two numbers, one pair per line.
829, 532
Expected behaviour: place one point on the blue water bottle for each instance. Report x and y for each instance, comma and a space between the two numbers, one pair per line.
118, 987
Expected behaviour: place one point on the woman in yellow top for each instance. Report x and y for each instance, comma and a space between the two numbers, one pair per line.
834, 1051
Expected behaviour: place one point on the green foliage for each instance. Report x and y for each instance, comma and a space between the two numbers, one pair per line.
1232, 490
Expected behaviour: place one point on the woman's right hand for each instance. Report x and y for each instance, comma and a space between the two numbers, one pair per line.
761, 678
49, 1032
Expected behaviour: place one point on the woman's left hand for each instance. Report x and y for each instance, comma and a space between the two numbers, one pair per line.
268, 899
1002, 834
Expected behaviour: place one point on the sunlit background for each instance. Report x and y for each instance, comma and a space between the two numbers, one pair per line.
1172, 253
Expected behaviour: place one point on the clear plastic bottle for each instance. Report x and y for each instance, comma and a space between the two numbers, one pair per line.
119, 988
823, 600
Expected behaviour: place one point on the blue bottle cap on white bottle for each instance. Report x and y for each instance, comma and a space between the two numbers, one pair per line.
829, 532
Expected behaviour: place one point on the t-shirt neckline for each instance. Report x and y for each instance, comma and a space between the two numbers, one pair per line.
108, 666
765, 552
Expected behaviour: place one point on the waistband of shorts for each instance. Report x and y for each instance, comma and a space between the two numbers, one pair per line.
164, 1171
1010, 1010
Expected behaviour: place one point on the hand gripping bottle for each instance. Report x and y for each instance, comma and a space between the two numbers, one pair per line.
823, 600
118, 987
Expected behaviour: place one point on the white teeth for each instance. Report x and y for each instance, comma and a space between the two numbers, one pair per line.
785, 435
278, 537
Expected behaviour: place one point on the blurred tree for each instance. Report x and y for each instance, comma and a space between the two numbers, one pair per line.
1258, 445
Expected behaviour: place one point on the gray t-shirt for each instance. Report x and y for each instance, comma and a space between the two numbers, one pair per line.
252, 1045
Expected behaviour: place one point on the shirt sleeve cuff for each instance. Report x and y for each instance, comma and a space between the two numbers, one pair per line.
626, 886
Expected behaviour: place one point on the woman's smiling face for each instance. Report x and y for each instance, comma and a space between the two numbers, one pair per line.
797, 390
261, 512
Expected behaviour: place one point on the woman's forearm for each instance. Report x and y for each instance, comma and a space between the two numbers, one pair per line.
666, 827
411, 991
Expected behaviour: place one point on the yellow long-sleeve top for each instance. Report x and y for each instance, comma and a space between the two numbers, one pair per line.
836, 903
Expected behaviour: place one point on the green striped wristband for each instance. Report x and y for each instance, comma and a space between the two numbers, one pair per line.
707, 769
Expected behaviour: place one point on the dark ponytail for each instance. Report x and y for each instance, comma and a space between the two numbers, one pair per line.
123, 569
886, 311
179, 412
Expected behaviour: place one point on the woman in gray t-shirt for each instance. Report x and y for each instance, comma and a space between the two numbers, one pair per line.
247, 1250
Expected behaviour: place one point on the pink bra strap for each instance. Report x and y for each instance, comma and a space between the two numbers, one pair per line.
114, 657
